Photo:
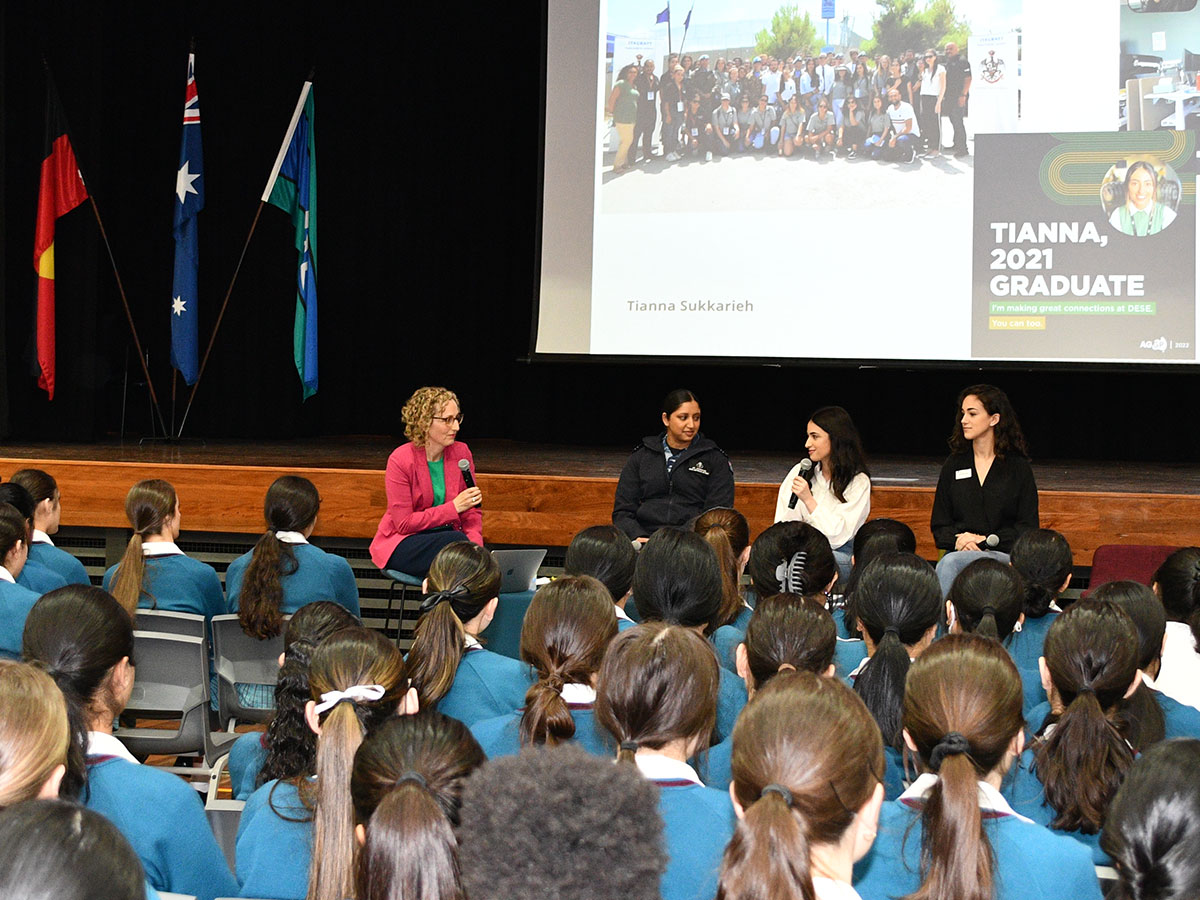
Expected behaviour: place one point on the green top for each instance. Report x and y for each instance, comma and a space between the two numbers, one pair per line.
626, 108
437, 474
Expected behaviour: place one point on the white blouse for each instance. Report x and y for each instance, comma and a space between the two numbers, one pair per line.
1179, 677
839, 521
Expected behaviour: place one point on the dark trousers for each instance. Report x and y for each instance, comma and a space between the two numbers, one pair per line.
414, 555
931, 124
643, 132
956, 114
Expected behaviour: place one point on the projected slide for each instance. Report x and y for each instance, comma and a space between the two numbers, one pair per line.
803, 188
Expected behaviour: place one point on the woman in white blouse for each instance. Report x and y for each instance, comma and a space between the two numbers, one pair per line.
832, 493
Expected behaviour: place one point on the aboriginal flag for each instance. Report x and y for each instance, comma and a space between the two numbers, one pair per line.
61, 190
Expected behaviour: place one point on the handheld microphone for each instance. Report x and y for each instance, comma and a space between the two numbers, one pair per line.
805, 468
992, 540
468, 478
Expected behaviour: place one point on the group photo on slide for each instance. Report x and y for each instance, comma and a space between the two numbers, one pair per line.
777, 484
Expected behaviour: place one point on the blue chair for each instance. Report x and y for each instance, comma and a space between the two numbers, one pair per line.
405, 581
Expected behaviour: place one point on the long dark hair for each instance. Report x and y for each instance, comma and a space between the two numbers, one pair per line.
291, 504
149, 505
987, 597
791, 557
678, 579
845, 448
798, 786
567, 628
875, 538
1178, 580
1043, 557
291, 744
406, 786
1007, 433
77, 634
1152, 831
463, 579
606, 553
728, 533
1091, 652
962, 709
13, 529
1140, 717
788, 631
897, 601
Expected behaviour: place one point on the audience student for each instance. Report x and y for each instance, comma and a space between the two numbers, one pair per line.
1177, 582
288, 748
47, 513
897, 603
952, 835
15, 600
787, 632
34, 734
35, 576
1078, 760
567, 628
154, 573
450, 668
1153, 715
1043, 559
406, 786
657, 695
807, 799
54, 850
84, 639
560, 823
728, 533
606, 554
1152, 831
678, 581
296, 836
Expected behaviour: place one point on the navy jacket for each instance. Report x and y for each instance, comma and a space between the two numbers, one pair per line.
648, 498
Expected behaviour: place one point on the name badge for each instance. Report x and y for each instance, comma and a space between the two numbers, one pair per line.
679, 106
695, 131
649, 95
961, 474
727, 131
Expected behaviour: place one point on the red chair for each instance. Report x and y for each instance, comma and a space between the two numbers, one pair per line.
1126, 562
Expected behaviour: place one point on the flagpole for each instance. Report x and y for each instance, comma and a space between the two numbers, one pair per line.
221, 315
686, 25
111, 258
669, 50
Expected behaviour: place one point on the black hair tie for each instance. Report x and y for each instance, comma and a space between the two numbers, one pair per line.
631, 746
891, 629
953, 744
988, 609
432, 600
411, 776
779, 789
1085, 689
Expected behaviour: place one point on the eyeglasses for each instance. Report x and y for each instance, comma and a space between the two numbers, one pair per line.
446, 420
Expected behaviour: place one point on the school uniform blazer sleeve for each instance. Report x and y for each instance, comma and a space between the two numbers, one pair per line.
840, 521
345, 589
214, 595
629, 497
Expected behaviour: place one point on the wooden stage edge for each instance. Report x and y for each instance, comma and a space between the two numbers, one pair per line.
546, 510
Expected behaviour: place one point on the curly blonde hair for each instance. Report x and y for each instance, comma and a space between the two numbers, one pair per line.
420, 409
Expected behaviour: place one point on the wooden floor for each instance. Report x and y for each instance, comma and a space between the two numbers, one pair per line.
543, 494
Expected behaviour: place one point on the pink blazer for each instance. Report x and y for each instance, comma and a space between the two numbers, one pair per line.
410, 499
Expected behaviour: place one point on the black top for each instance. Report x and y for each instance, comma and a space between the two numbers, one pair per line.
1005, 505
958, 70
648, 498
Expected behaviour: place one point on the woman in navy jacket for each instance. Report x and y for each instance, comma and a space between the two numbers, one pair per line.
673, 476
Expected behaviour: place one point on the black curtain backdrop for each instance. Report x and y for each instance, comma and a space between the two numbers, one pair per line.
428, 134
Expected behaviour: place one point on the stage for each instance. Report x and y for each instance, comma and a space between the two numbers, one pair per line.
540, 495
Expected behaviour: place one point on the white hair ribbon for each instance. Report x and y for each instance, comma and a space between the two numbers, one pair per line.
330, 699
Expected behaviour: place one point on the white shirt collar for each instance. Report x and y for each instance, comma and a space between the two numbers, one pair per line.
657, 767
578, 693
990, 799
40, 537
160, 548
621, 614
1147, 680
101, 744
6, 575
291, 537
470, 642
828, 889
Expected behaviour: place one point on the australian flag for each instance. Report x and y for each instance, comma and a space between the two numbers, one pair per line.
189, 200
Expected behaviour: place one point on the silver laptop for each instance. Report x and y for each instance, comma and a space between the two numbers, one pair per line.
518, 569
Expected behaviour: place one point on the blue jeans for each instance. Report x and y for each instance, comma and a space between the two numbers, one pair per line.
955, 561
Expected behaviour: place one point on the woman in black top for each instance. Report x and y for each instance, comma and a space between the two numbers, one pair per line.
986, 494
672, 476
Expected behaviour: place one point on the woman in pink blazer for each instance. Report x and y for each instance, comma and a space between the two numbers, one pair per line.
428, 502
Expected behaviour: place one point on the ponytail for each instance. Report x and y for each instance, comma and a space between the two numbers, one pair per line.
956, 856
1178, 584
363, 675
789, 632
1091, 653
463, 579
406, 787
1043, 558
149, 506
987, 597
791, 558
799, 787
728, 533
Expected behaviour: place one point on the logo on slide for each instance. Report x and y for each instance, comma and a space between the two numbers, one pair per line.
1158, 343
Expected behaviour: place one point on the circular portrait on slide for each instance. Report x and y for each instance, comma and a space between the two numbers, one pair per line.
1140, 195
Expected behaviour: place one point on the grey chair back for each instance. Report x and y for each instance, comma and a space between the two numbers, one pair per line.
241, 659
170, 682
